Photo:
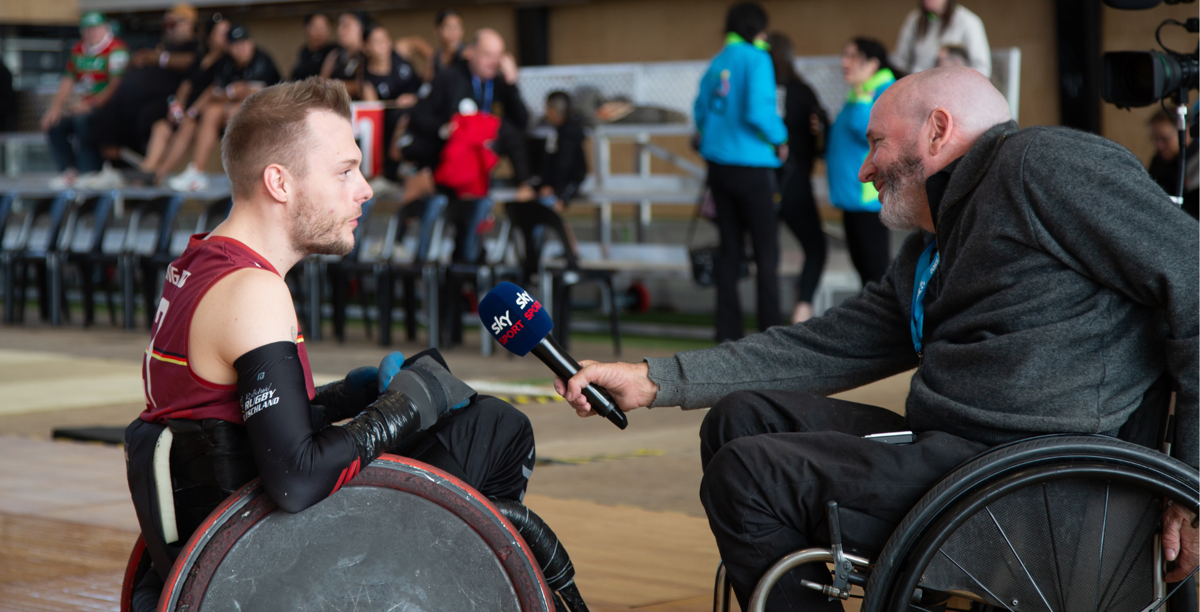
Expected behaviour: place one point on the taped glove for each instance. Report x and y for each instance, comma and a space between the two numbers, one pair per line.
432, 389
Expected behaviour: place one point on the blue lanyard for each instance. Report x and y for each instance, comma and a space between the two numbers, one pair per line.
484, 97
926, 266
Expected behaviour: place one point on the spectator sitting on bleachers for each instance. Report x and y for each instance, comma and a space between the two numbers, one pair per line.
489, 79
449, 28
391, 79
953, 55
245, 70
143, 96
345, 62
563, 164
171, 137
316, 47
96, 64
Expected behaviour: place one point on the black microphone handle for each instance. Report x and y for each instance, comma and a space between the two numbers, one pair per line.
565, 367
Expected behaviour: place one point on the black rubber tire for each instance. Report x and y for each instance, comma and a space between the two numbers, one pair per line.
982, 471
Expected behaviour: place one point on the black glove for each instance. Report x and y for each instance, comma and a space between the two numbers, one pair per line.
415, 400
343, 399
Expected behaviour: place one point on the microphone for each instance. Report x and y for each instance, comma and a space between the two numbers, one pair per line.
520, 324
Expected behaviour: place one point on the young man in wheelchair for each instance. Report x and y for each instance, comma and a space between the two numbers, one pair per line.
1050, 285
227, 374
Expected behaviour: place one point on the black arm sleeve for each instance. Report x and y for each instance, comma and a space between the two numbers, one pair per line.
299, 465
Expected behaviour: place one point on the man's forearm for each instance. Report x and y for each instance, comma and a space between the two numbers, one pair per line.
105, 94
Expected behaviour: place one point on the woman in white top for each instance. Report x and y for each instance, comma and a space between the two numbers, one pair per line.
934, 24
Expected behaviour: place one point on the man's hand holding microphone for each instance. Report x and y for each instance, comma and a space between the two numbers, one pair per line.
628, 383
519, 323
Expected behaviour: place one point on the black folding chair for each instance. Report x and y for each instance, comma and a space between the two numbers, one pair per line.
82, 247
147, 248
31, 250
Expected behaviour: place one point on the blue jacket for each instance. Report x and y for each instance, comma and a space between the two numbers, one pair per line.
736, 111
846, 147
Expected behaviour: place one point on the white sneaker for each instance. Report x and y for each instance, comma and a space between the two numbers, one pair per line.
190, 179
66, 180
107, 178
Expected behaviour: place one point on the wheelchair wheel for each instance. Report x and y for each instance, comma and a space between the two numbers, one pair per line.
400, 535
135, 569
1052, 524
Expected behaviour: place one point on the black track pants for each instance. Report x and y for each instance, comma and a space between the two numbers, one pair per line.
745, 201
798, 208
869, 243
489, 445
772, 459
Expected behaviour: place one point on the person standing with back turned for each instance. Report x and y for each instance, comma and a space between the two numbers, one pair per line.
743, 140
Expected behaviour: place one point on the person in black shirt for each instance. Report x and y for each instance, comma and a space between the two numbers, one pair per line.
345, 62
449, 28
805, 121
171, 136
245, 70
316, 47
391, 79
563, 164
489, 79
154, 74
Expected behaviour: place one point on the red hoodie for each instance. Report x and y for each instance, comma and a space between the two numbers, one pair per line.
467, 158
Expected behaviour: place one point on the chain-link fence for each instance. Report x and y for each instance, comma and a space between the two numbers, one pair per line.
673, 85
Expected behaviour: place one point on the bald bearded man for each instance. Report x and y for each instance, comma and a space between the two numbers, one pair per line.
1060, 294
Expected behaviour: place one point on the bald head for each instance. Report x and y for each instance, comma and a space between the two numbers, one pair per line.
918, 126
487, 47
968, 97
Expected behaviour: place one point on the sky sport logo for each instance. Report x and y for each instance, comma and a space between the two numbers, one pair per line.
513, 328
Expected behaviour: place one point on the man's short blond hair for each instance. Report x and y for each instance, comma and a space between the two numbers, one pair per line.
270, 128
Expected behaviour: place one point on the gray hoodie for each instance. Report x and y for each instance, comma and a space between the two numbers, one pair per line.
1067, 286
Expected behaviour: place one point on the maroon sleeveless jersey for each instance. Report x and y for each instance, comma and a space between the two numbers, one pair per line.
173, 390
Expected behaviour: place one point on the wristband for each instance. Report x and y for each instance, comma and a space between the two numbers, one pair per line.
229, 91
163, 58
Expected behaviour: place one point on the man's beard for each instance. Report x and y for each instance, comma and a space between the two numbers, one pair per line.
903, 182
317, 234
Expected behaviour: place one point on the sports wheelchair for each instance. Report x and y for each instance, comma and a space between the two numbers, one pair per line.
446, 547
1058, 523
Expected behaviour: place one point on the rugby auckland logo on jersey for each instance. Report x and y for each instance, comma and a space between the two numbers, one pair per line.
255, 401
177, 278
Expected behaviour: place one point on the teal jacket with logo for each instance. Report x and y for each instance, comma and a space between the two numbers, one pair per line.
735, 110
846, 147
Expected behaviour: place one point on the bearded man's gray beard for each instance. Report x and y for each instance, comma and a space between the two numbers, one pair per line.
900, 208
317, 234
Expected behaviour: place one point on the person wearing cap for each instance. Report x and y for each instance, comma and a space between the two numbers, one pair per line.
144, 95
94, 67
244, 70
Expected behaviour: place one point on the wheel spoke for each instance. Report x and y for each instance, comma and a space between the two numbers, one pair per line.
975, 580
1019, 560
1053, 547
1100, 563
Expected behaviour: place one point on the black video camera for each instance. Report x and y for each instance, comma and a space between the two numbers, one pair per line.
1141, 78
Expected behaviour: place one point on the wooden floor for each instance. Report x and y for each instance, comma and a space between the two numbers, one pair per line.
624, 504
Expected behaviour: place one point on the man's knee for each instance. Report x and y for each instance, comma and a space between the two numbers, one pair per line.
730, 475
730, 417
507, 422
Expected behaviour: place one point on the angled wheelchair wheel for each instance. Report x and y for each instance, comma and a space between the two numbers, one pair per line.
1052, 524
400, 535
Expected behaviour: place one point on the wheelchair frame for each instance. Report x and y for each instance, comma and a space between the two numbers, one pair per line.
891, 578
